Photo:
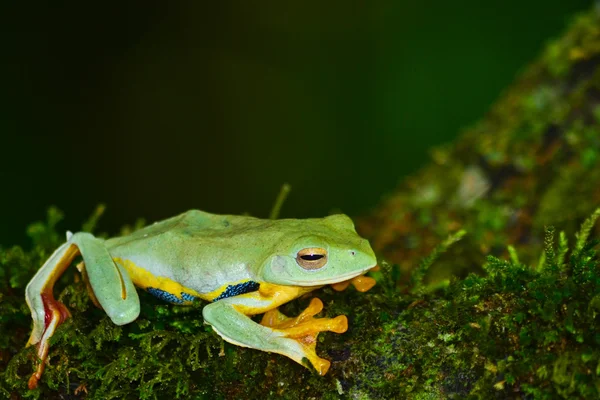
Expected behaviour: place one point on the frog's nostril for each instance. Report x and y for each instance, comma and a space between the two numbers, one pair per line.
352, 252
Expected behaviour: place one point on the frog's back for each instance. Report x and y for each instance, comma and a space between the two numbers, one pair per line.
199, 219
200, 250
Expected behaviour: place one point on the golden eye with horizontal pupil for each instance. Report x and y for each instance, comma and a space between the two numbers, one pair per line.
312, 258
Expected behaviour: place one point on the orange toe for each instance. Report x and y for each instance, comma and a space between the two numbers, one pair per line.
363, 283
304, 329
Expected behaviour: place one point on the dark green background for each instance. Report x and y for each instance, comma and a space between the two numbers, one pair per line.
156, 110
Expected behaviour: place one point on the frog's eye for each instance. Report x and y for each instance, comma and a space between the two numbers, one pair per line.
312, 258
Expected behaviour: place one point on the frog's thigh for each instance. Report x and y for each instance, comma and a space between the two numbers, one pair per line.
109, 281
239, 329
111, 285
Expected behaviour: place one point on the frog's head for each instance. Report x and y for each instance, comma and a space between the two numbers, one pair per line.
317, 252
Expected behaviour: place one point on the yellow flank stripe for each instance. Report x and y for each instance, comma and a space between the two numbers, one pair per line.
144, 279
210, 296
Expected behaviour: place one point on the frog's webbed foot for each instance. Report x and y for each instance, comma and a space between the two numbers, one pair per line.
304, 330
361, 283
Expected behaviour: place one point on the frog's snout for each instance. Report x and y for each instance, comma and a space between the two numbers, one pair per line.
362, 247
363, 255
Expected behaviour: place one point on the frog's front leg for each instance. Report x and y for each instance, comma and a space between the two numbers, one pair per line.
292, 337
110, 283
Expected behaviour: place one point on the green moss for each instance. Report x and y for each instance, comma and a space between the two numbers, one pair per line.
515, 330
518, 329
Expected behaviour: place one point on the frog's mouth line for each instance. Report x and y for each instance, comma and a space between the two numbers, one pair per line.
337, 279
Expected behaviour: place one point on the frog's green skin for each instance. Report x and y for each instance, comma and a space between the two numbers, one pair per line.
243, 265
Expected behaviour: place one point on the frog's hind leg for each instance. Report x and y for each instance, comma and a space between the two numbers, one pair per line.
304, 330
47, 313
111, 285
295, 338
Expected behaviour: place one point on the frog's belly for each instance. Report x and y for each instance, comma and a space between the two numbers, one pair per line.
182, 285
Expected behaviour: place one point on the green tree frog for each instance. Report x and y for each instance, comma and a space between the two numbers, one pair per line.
242, 265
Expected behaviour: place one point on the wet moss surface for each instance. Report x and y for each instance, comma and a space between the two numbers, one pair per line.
491, 287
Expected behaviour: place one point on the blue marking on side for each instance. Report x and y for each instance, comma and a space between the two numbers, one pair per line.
187, 297
236, 290
170, 297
